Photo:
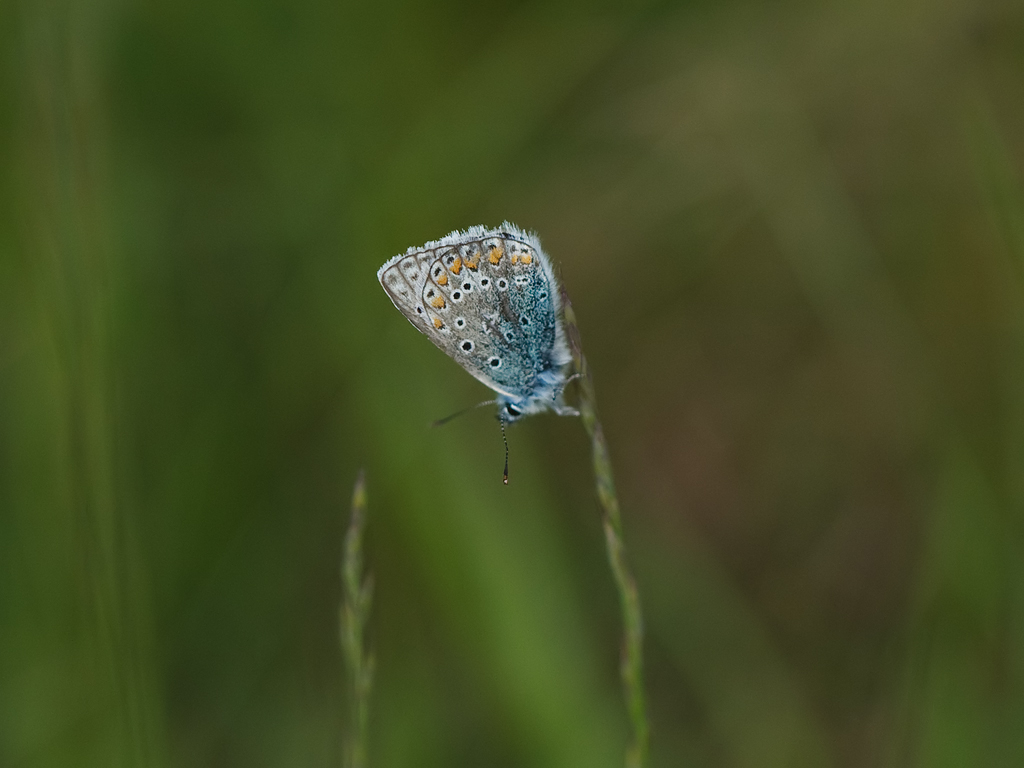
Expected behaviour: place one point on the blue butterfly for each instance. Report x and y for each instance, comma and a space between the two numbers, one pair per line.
489, 299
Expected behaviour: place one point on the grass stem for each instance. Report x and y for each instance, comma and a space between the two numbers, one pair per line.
355, 612
629, 597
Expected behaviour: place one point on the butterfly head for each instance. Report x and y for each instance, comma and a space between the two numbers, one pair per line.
546, 396
513, 410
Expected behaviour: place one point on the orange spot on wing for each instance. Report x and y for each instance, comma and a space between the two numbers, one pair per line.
496, 254
456, 266
472, 263
442, 280
438, 323
515, 258
526, 258
438, 303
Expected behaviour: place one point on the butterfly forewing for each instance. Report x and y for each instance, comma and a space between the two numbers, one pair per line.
489, 302
402, 279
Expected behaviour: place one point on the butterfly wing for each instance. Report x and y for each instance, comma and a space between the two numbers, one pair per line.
488, 299
402, 279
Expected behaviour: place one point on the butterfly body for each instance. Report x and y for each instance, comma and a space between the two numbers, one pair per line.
489, 299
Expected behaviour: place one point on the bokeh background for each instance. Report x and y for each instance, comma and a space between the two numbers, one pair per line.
793, 233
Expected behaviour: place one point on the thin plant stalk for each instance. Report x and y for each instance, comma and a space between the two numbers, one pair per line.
355, 612
629, 598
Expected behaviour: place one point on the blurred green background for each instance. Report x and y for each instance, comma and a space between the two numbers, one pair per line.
794, 238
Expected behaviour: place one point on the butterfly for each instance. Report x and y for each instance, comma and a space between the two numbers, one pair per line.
488, 298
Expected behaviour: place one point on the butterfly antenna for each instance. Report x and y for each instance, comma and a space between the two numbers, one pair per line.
446, 419
501, 420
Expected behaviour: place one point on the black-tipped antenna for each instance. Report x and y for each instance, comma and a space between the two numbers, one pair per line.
501, 420
446, 419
